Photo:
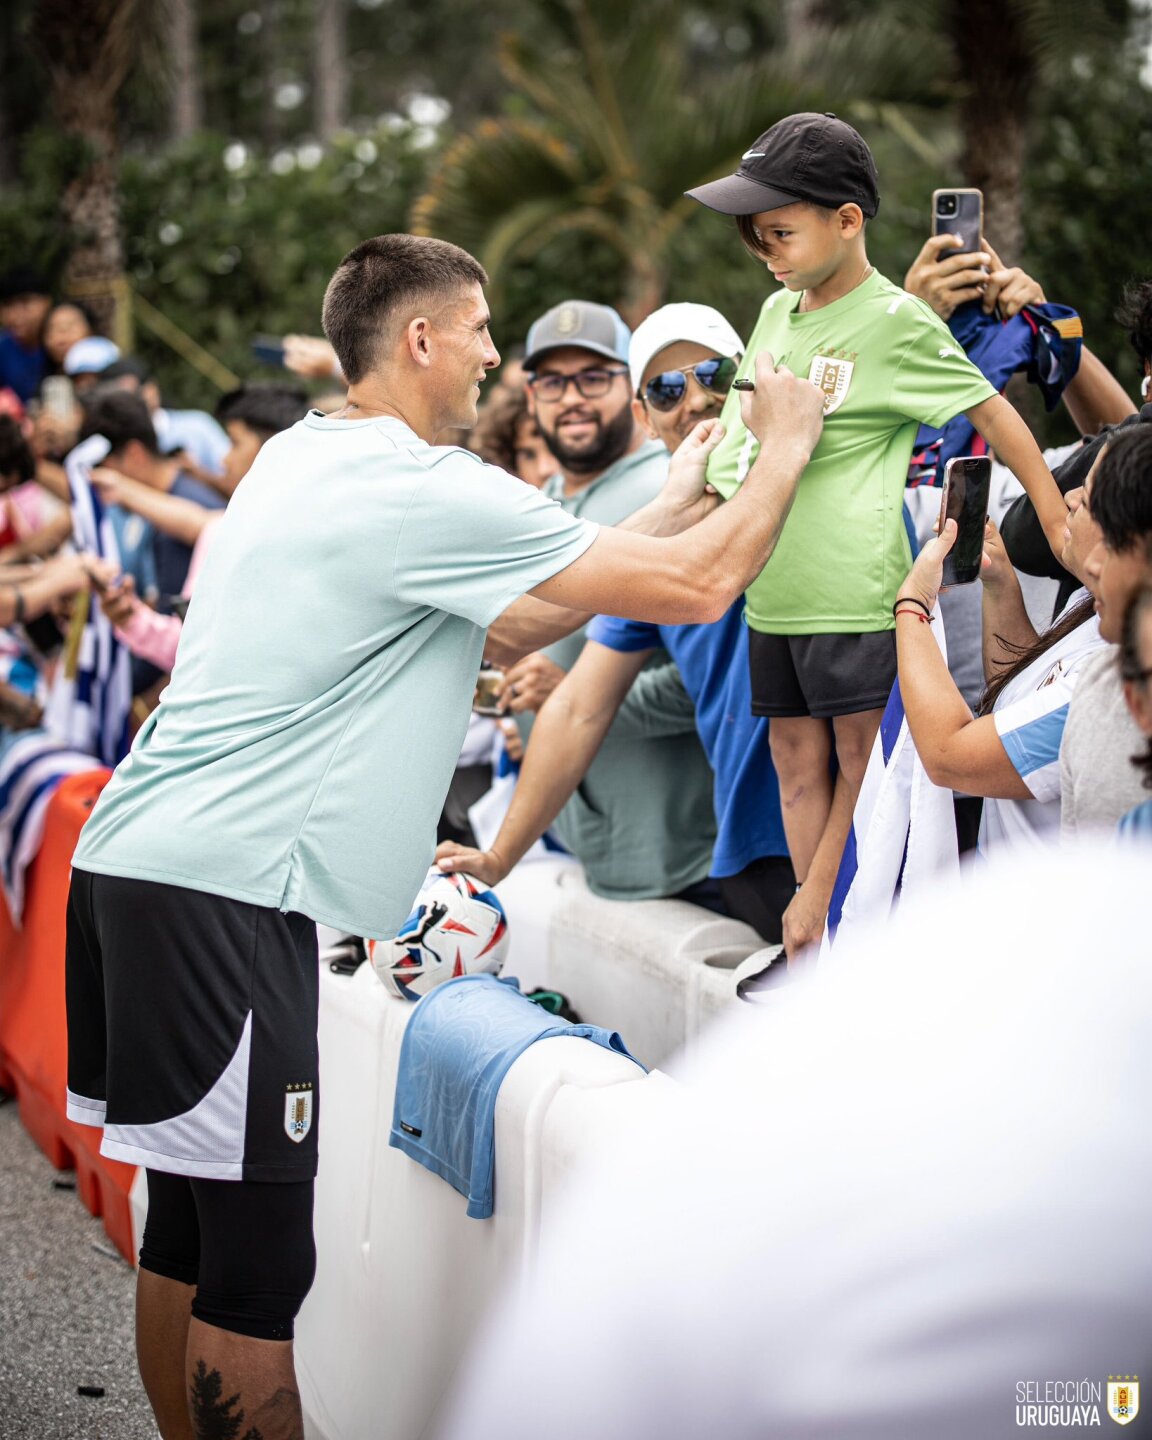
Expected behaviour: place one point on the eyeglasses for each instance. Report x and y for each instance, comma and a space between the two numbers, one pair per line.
665, 392
590, 384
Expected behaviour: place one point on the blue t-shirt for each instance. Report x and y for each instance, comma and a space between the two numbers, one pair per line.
21, 370
713, 663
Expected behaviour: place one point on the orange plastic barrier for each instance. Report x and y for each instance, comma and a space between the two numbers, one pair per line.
33, 1037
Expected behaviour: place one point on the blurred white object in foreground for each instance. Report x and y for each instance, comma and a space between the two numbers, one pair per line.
892, 1199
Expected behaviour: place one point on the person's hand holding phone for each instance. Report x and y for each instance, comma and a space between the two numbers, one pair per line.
945, 276
529, 683
925, 580
1008, 287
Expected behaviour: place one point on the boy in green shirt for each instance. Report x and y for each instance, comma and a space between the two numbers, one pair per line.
821, 644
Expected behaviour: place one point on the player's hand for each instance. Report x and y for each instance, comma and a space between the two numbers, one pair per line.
687, 489
529, 683
945, 276
1009, 287
783, 407
486, 865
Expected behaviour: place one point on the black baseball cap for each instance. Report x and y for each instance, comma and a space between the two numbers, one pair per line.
809, 157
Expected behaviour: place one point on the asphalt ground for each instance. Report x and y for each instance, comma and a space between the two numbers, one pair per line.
66, 1308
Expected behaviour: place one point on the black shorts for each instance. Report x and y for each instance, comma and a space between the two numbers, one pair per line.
192, 1030
820, 675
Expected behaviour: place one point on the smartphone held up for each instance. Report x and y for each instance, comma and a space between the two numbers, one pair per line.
959, 212
967, 482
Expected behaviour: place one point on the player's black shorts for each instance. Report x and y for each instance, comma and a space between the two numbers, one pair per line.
192, 1030
820, 675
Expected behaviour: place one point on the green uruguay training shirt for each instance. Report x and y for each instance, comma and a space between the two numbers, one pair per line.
886, 364
300, 756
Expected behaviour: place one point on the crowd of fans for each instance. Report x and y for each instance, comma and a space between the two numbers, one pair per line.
718, 764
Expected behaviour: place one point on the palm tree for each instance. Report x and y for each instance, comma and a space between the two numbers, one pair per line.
1003, 54
625, 124
89, 48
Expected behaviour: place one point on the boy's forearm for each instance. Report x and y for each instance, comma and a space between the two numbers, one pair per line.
1008, 435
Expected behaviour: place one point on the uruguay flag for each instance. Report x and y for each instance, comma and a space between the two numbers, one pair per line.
90, 702
903, 833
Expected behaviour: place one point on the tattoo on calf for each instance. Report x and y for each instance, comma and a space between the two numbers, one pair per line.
212, 1415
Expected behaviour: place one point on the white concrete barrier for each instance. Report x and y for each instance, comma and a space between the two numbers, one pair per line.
403, 1275
656, 970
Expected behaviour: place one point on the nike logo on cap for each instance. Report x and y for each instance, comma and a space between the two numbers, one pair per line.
750, 154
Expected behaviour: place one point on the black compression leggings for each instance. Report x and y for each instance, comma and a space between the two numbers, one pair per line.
246, 1245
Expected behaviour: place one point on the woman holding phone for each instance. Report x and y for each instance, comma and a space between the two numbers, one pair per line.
1009, 752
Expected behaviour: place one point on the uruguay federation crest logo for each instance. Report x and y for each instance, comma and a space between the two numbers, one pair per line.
832, 374
1123, 1398
298, 1111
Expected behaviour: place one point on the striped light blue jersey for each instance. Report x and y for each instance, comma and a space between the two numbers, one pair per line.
1030, 716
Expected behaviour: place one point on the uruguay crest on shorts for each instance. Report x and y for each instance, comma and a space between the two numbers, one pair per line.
297, 1111
832, 374
1124, 1399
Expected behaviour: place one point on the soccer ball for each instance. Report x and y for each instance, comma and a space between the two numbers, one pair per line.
457, 927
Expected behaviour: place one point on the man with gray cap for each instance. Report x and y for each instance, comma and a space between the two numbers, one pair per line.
641, 822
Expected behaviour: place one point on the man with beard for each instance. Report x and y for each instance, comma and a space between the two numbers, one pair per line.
641, 821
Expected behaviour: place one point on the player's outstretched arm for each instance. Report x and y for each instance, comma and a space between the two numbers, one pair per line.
564, 741
693, 578
528, 624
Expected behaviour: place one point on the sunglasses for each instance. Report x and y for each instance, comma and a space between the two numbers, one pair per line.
591, 384
665, 392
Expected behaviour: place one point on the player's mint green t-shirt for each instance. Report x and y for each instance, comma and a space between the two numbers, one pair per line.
301, 754
886, 364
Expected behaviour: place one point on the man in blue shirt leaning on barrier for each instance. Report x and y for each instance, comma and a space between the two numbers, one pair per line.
294, 773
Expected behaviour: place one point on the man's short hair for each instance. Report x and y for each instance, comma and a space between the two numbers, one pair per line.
266, 408
120, 416
16, 458
384, 279
1121, 502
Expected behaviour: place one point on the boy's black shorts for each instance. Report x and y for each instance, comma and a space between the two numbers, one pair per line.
192, 1030
820, 675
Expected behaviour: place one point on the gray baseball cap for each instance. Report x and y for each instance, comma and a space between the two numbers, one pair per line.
580, 323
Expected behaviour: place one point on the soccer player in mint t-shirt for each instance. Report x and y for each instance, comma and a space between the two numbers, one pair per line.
822, 645
294, 771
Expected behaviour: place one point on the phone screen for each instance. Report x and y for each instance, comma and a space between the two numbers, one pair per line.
967, 481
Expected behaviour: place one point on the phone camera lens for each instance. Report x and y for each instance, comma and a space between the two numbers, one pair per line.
947, 206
